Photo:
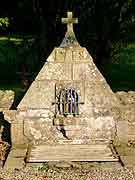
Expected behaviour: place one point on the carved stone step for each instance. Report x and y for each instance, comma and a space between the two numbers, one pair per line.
83, 141
45, 153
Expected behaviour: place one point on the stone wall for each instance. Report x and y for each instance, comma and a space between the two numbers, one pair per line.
127, 123
6, 99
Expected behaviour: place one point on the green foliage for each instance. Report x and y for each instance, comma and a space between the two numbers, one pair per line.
15, 52
124, 53
120, 77
4, 22
44, 167
100, 22
120, 74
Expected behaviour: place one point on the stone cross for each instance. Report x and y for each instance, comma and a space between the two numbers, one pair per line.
69, 21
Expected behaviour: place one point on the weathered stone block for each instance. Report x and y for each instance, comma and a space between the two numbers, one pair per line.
128, 113
131, 129
39, 96
6, 99
34, 113
60, 54
122, 131
81, 55
99, 95
10, 115
70, 121
68, 56
86, 71
17, 134
40, 131
55, 71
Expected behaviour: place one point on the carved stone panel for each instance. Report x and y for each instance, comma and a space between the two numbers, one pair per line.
60, 55
81, 55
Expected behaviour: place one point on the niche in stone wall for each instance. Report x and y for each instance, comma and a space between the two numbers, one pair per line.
68, 98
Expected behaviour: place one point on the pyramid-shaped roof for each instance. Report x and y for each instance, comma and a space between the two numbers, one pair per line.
69, 63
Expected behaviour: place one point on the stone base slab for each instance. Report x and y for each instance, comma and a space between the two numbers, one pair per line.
46, 153
16, 157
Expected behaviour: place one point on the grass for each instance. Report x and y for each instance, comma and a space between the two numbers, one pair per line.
120, 77
16, 40
120, 74
11, 86
14, 52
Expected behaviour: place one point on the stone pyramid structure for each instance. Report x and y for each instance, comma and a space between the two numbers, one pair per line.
69, 101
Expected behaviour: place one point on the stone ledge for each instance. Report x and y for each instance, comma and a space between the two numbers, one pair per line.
16, 157
126, 154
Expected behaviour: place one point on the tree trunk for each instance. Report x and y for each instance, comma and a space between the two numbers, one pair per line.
42, 39
103, 50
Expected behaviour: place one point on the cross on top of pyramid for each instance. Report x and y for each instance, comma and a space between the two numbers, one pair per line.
70, 21
69, 39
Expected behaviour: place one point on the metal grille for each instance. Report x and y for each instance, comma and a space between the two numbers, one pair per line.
66, 102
